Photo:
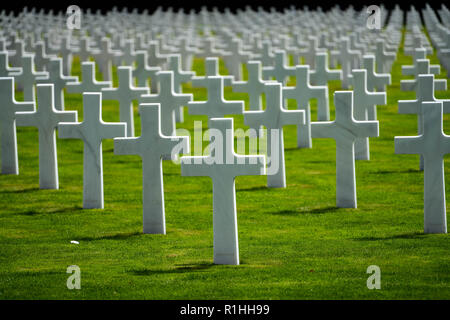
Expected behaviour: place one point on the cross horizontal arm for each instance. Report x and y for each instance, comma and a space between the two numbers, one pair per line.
408, 145
112, 130
127, 146
26, 119
196, 166
409, 107
69, 130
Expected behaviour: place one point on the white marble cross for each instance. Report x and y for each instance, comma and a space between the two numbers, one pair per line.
187, 52
59, 80
303, 92
179, 77
267, 56
5, 69
125, 94
311, 51
419, 53
41, 58
211, 70
345, 130
169, 100
129, 54
8, 108
423, 67
16, 59
85, 50
425, 93
432, 144
237, 58
66, 52
88, 82
105, 58
348, 59
223, 167
384, 59
92, 131
155, 58
274, 117
151, 146
216, 106
46, 118
210, 50
143, 71
364, 108
27, 78
375, 81
321, 74
280, 71
255, 86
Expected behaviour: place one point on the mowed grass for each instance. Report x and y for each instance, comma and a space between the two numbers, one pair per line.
294, 243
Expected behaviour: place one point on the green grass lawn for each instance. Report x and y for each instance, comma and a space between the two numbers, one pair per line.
294, 243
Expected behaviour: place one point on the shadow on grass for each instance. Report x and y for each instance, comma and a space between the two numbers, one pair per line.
396, 171
34, 212
28, 190
311, 211
253, 189
321, 161
117, 236
411, 235
179, 268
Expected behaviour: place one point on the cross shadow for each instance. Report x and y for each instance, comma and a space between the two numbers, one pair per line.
292, 149
28, 190
117, 236
411, 235
253, 189
394, 172
34, 212
179, 268
310, 211
320, 161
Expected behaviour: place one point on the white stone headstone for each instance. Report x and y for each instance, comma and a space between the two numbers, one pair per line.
303, 92
105, 58
151, 146
216, 106
280, 71
274, 117
142, 72
375, 81
88, 82
8, 108
58, 79
432, 144
365, 108
223, 167
5, 69
211, 70
384, 59
46, 118
255, 86
179, 77
169, 100
27, 78
125, 94
425, 93
422, 67
321, 74
92, 131
345, 130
